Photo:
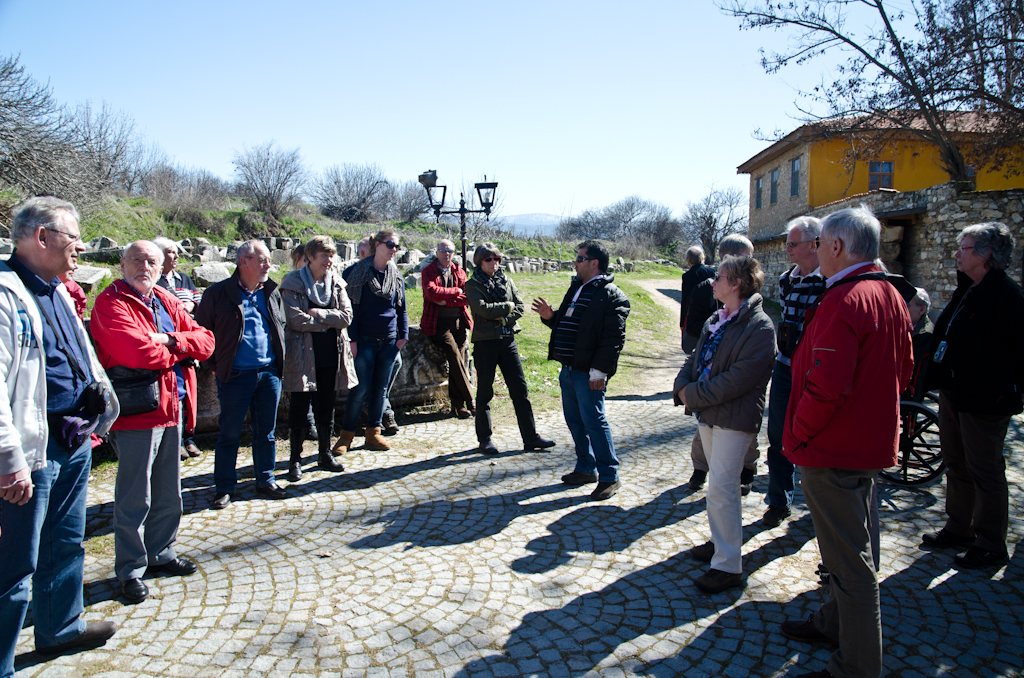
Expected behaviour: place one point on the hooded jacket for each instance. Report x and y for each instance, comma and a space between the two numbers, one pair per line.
24, 430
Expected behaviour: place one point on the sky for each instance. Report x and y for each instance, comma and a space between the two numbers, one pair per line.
569, 105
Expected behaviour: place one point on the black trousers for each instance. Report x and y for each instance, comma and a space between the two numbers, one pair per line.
326, 361
450, 338
488, 356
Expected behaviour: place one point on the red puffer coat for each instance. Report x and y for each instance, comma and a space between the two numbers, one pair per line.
852, 363
120, 326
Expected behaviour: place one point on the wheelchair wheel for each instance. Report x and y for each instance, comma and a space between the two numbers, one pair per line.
920, 456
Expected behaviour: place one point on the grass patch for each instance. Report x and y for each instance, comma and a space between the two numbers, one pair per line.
100, 547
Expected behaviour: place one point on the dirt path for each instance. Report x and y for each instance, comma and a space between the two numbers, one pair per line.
654, 383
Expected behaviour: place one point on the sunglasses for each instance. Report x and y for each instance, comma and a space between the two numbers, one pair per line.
392, 245
442, 249
490, 259
580, 260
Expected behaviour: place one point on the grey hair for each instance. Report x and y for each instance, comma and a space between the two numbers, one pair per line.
129, 246
735, 245
165, 243
247, 249
857, 228
40, 212
695, 256
922, 297
991, 239
805, 226
441, 242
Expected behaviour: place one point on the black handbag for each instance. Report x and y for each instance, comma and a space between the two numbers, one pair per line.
137, 389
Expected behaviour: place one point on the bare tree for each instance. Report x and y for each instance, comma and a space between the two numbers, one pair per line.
270, 178
177, 187
644, 221
109, 141
38, 152
924, 84
716, 215
352, 193
407, 202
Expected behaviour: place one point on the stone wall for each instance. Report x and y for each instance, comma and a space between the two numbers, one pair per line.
764, 222
919, 237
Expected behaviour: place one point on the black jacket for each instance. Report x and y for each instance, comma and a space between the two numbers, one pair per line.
702, 305
602, 330
983, 367
221, 312
693, 277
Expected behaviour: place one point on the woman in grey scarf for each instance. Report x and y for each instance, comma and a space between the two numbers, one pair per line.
317, 359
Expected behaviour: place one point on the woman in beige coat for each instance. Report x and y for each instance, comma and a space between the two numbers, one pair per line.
317, 360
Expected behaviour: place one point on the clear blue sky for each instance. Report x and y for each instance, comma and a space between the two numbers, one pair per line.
569, 105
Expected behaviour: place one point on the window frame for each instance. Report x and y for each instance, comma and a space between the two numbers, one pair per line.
758, 188
877, 175
794, 178
773, 198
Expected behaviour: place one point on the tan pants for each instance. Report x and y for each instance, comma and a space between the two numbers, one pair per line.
700, 462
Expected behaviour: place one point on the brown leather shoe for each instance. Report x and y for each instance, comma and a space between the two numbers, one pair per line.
805, 632
375, 441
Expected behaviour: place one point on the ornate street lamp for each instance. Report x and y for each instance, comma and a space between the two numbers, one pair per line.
485, 190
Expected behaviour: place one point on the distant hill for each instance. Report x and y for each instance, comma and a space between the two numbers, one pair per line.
532, 224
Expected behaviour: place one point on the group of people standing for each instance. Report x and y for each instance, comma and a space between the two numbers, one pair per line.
133, 375
843, 354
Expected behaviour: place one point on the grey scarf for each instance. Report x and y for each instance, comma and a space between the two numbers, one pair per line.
363, 274
319, 293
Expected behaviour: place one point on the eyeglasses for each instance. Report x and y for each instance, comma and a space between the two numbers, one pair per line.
719, 276
490, 259
442, 249
392, 245
581, 259
74, 238
966, 247
794, 245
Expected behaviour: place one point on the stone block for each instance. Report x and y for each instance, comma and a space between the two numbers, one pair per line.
89, 276
511, 267
212, 272
281, 257
209, 253
6, 246
346, 250
413, 281
892, 234
110, 255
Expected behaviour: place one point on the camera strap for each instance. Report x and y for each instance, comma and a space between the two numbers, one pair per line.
61, 346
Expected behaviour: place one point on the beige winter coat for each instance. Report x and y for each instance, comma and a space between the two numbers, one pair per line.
299, 367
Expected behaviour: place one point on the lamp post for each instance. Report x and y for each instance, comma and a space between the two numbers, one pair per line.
485, 190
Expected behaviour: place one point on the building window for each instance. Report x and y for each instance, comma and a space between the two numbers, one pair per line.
775, 187
758, 185
794, 177
879, 175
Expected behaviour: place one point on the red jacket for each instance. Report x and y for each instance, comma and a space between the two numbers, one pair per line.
853, 361
120, 327
434, 293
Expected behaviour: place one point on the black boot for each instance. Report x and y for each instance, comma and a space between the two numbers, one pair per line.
295, 461
325, 460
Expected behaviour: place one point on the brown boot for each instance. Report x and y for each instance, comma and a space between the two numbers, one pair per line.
375, 441
343, 444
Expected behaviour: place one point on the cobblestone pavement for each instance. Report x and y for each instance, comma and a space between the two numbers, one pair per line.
443, 562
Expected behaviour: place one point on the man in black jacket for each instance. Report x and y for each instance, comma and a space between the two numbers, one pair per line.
587, 333
246, 315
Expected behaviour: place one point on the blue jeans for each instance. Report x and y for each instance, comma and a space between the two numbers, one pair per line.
257, 392
42, 541
781, 472
374, 360
391, 384
584, 415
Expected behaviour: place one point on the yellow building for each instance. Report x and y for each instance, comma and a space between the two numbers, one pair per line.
802, 172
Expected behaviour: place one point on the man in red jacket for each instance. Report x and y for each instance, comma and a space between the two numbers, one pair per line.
842, 427
137, 324
446, 321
